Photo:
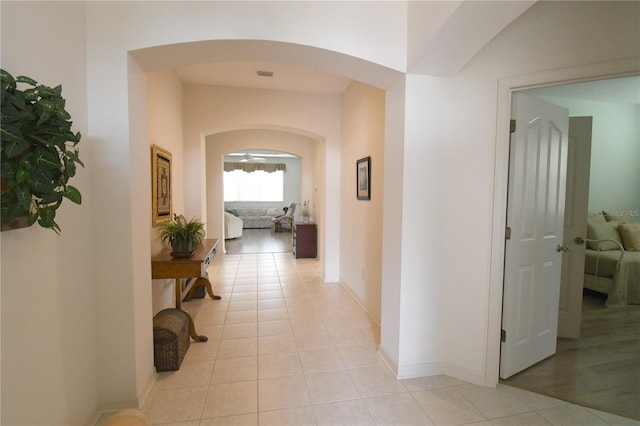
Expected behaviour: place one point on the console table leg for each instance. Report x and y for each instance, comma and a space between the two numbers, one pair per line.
205, 282
192, 330
178, 293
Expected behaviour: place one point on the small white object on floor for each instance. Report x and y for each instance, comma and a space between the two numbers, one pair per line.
129, 417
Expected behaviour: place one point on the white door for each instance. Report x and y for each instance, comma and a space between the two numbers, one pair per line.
575, 226
535, 216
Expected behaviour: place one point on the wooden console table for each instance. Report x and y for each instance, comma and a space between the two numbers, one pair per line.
165, 266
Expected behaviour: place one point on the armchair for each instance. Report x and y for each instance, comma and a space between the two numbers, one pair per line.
232, 226
286, 218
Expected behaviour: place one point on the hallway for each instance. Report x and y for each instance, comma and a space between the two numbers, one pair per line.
285, 348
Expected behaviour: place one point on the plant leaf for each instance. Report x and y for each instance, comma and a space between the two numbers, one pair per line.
47, 158
22, 175
27, 80
23, 197
44, 117
51, 197
47, 216
72, 194
7, 79
15, 146
41, 182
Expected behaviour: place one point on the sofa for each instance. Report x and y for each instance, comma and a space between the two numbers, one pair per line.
255, 217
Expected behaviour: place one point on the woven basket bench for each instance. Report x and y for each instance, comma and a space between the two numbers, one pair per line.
170, 339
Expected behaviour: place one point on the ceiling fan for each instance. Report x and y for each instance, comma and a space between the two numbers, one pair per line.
250, 158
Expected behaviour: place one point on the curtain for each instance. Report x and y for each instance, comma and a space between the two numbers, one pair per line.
252, 167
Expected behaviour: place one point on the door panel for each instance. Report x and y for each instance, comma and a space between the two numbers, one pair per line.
575, 226
535, 214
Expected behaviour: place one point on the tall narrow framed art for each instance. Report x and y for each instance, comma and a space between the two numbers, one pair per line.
160, 185
363, 179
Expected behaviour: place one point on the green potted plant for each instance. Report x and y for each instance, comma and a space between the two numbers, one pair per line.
38, 153
182, 235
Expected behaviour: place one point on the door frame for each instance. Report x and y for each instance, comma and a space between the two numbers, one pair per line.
506, 87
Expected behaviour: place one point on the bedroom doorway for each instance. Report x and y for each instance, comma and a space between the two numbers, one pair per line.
558, 375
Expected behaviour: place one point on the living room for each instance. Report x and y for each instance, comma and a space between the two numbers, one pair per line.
260, 186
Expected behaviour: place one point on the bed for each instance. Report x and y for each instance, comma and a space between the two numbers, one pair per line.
612, 261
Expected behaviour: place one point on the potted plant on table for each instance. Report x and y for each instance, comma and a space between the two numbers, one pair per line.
182, 235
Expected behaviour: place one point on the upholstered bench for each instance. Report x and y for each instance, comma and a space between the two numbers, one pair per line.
170, 339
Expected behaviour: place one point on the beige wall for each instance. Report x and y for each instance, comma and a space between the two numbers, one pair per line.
49, 322
361, 221
164, 124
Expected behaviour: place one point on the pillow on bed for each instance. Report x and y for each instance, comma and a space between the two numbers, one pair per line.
616, 216
630, 233
603, 231
597, 217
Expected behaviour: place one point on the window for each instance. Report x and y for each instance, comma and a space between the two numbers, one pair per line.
254, 186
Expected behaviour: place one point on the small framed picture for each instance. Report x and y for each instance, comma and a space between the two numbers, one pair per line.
160, 185
363, 180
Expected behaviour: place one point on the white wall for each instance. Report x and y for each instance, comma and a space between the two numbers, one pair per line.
614, 182
49, 328
449, 168
361, 221
393, 215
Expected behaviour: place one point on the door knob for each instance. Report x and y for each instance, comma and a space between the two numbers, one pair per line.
579, 241
561, 248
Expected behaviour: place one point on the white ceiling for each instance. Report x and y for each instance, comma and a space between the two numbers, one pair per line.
298, 79
244, 74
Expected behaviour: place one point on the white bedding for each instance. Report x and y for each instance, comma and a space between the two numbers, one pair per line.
624, 287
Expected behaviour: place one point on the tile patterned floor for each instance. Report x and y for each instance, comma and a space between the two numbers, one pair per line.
287, 349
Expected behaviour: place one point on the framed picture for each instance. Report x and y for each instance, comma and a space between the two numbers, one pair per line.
363, 180
160, 185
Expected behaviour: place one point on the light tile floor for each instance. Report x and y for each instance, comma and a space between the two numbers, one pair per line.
285, 348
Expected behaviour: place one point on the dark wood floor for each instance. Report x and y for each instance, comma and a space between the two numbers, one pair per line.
601, 369
260, 241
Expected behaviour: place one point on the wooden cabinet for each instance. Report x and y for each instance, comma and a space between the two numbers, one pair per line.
305, 240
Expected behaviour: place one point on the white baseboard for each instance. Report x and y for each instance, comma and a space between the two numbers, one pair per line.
420, 370
464, 374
